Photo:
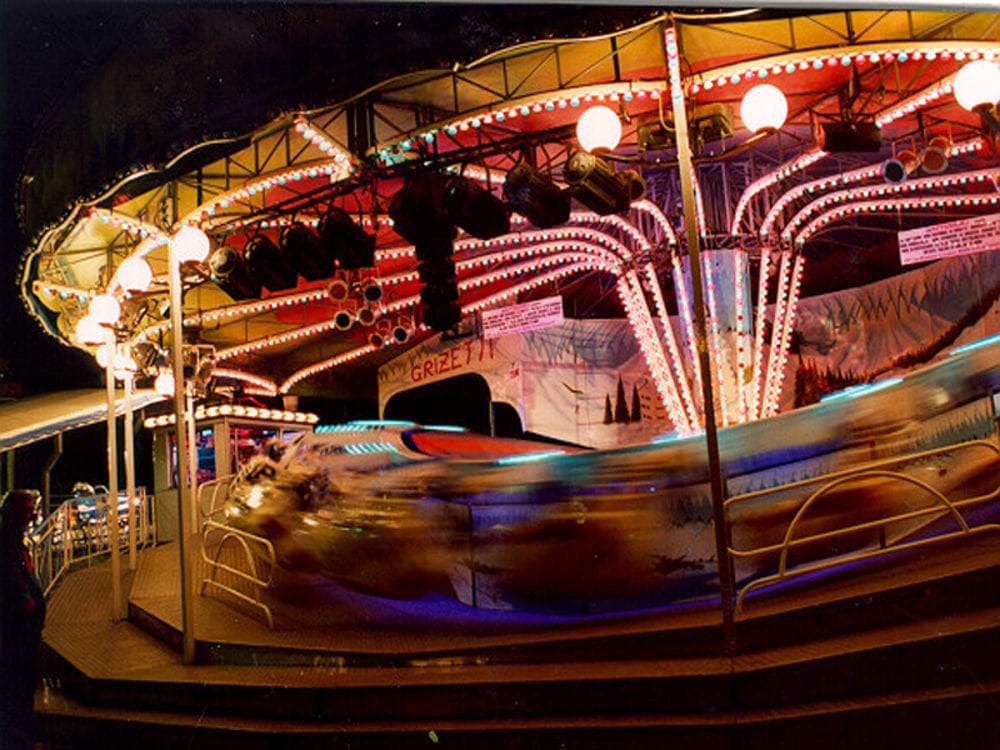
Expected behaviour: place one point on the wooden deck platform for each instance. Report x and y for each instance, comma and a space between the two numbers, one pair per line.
894, 651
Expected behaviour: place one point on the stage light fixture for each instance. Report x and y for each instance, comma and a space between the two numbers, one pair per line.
366, 316
229, 270
419, 215
536, 198
351, 245
371, 290
597, 185
475, 209
400, 334
897, 169
343, 319
339, 289
269, 265
418, 209
934, 158
302, 246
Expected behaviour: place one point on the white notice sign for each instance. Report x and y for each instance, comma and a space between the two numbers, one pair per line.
965, 237
528, 316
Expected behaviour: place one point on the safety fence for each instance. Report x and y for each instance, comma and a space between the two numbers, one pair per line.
839, 519
236, 563
81, 530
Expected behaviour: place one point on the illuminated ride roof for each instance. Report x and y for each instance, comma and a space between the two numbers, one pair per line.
801, 211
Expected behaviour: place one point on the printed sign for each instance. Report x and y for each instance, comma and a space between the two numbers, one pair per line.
965, 237
525, 317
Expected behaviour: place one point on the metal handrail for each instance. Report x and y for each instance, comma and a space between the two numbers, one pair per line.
254, 548
63, 541
942, 506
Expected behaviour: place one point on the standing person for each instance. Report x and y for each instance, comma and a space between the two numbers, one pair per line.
22, 611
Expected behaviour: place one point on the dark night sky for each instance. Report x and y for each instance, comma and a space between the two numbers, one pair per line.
46, 49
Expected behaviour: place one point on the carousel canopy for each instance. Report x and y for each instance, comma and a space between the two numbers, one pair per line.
343, 233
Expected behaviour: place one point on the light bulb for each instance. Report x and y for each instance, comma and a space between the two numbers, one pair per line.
164, 384
190, 244
89, 331
103, 355
599, 127
104, 308
134, 274
764, 107
977, 84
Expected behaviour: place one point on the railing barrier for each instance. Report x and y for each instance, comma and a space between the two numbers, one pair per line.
938, 508
237, 562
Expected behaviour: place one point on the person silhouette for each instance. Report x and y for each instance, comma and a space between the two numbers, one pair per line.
22, 612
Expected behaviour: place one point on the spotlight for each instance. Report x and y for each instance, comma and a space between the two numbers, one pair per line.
896, 170
934, 158
304, 250
269, 264
536, 198
371, 291
376, 339
475, 209
366, 316
419, 215
343, 320
351, 245
338, 290
400, 334
439, 294
228, 269
418, 210
597, 185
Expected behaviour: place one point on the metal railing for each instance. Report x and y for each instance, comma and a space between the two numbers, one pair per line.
936, 507
78, 531
237, 563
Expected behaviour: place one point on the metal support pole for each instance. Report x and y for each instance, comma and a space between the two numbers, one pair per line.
727, 586
183, 473
111, 514
192, 458
129, 456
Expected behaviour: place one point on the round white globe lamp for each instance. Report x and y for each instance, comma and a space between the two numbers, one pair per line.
90, 331
103, 355
164, 384
134, 274
190, 245
763, 108
104, 308
977, 84
599, 128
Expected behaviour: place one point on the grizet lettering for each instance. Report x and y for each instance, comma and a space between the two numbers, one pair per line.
457, 358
